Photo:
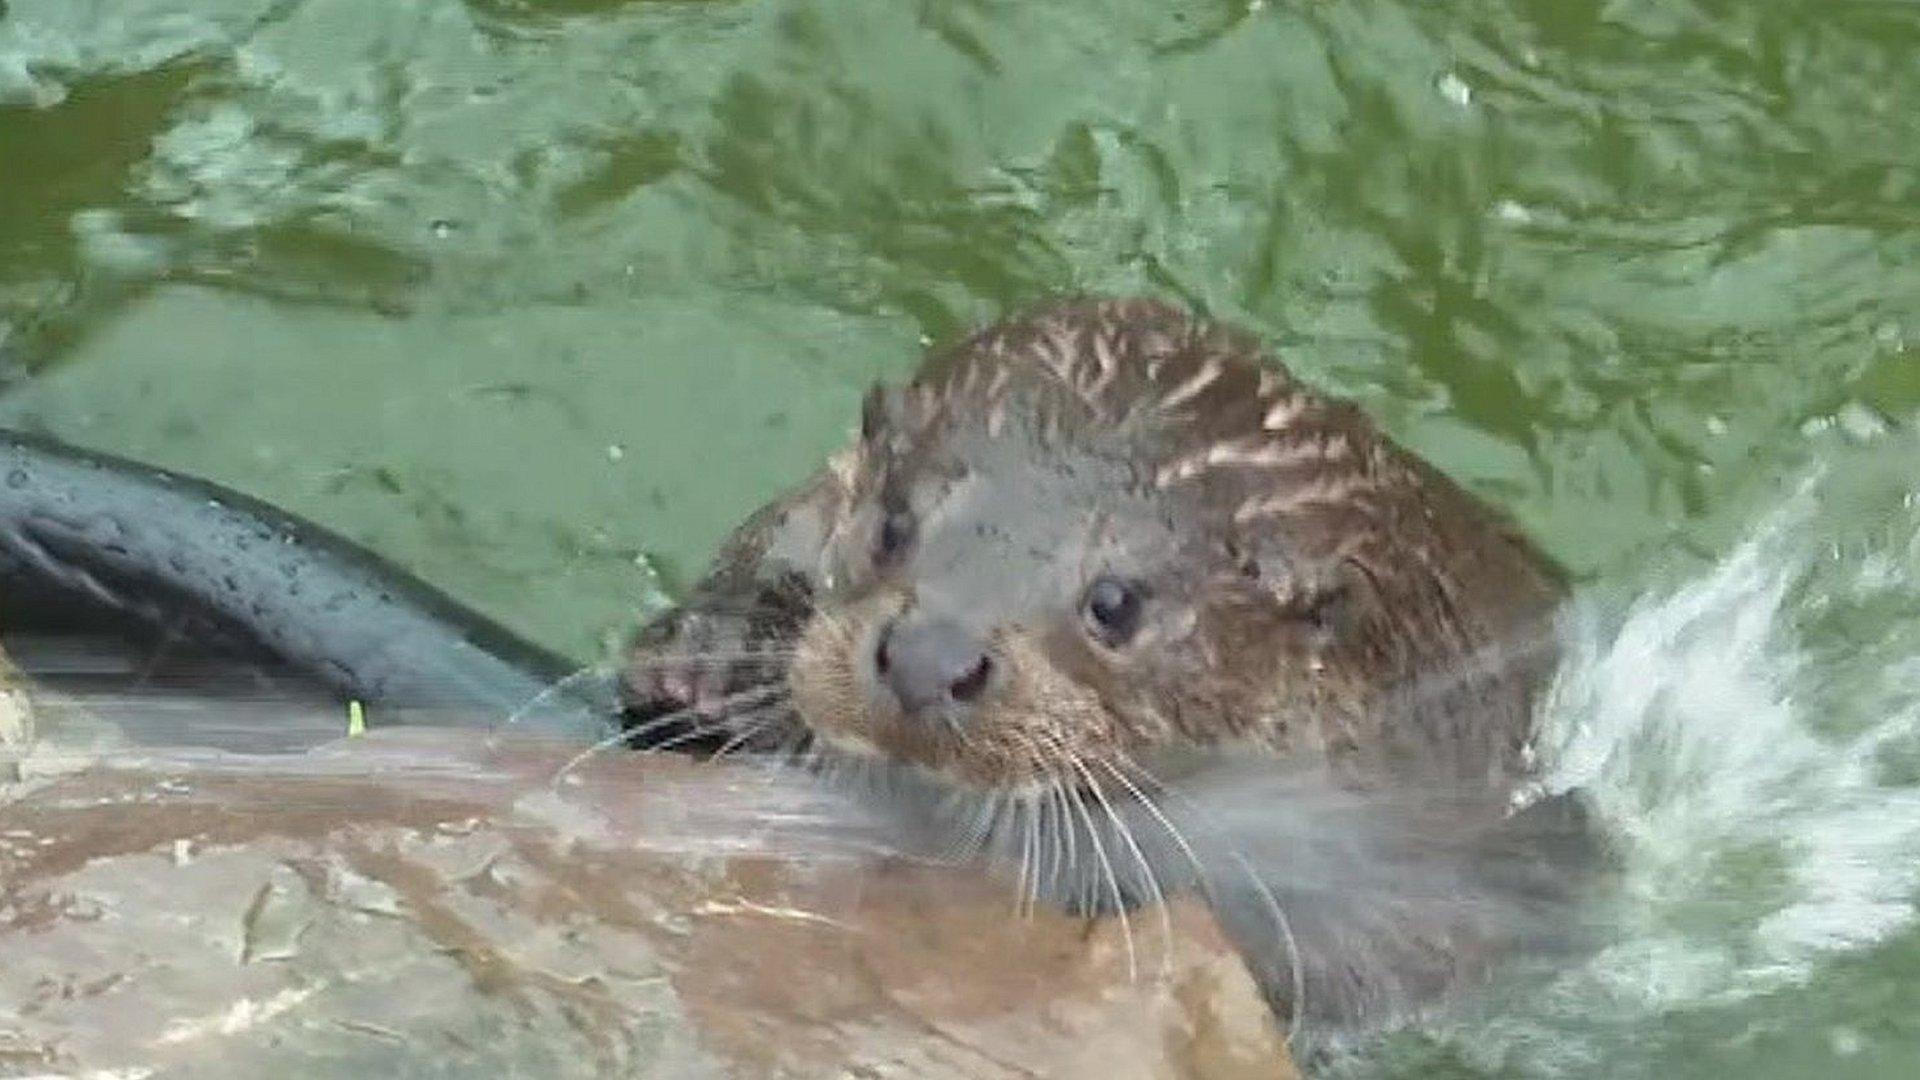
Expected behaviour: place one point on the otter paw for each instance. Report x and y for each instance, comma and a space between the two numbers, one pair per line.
697, 678
683, 662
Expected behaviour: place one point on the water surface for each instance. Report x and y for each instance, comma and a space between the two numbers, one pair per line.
539, 296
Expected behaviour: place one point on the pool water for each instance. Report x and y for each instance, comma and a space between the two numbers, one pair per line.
538, 297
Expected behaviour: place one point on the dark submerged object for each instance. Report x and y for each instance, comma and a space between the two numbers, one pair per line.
160, 579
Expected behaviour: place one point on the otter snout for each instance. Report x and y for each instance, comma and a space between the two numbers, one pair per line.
931, 663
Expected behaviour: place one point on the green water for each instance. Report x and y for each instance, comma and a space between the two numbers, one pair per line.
539, 296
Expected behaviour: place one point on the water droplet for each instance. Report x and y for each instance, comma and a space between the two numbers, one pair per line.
1512, 212
1891, 336
1859, 422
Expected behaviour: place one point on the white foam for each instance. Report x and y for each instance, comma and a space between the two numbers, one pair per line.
1732, 732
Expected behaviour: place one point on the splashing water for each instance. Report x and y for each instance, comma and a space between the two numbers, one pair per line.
1747, 737
1688, 727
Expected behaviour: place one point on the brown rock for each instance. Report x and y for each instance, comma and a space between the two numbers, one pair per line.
421, 904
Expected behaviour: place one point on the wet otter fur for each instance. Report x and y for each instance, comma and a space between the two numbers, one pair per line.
1096, 551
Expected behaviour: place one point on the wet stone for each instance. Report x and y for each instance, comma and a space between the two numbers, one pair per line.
663, 920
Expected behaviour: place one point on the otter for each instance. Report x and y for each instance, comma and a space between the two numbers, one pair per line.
1087, 544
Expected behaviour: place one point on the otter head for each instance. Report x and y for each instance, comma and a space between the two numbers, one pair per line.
1104, 529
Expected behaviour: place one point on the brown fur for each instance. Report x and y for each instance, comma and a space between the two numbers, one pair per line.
1338, 652
1318, 590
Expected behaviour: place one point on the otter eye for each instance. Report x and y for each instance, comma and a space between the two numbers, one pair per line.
896, 532
1113, 610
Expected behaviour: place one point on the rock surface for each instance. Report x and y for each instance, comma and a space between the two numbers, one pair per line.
16, 711
432, 904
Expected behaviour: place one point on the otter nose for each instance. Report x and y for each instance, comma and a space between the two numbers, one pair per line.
931, 661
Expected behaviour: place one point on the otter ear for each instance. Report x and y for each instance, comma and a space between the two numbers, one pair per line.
1321, 591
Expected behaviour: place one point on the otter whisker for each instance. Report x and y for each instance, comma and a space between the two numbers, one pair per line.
1297, 1005
1031, 852
1021, 887
766, 717
976, 819
616, 739
1113, 886
751, 697
747, 732
1022, 821
749, 724
988, 821
696, 730
1046, 845
1065, 843
1106, 868
1026, 806
548, 692
1179, 838
1068, 836
1057, 821
1139, 857
653, 724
